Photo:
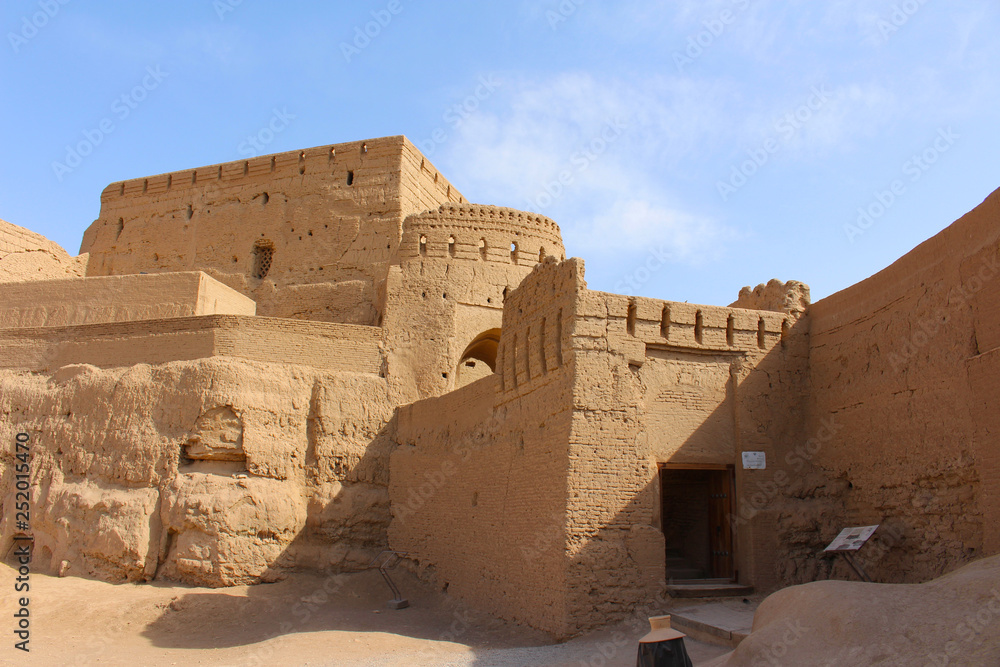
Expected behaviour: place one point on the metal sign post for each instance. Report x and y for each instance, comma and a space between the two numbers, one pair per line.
849, 541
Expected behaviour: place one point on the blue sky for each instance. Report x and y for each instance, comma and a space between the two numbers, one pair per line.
685, 148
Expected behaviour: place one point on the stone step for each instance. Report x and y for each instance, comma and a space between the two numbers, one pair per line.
714, 623
707, 588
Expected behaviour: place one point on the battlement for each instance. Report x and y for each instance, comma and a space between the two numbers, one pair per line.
349, 163
481, 233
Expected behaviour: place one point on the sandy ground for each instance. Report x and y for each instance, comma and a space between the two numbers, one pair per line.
305, 620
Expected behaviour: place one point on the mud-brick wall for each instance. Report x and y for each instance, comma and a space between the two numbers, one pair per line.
665, 382
307, 234
905, 364
478, 482
211, 472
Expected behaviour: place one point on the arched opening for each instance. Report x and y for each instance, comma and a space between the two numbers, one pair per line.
479, 358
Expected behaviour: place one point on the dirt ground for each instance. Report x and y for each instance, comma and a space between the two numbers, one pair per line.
307, 619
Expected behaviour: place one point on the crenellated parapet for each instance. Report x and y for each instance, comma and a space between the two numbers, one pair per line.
480, 233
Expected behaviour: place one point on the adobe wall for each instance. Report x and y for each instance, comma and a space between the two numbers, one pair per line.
333, 347
478, 482
907, 363
306, 234
456, 266
212, 472
25, 255
65, 302
666, 382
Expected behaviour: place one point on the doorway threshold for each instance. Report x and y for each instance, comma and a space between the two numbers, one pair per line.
708, 588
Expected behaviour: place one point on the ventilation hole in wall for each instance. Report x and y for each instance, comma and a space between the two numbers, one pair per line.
350, 178
300, 238
263, 254
145, 186
630, 318
513, 252
448, 194
121, 190
194, 177
435, 177
220, 172
784, 332
482, 248
189, 212
444, 296
121, 227
156, 257
273, 164
332, 155
489, 300
761, 334
246, 167
302, 162
264, 198
423, 294
310, 232
423, 245
665, 322
730, 330
475, 498
170, 181
698, 326
541, 254
444, 375
235, 259
451, 246
364, 148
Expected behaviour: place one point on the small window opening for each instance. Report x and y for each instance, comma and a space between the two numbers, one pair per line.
451, 246
513, 252
482, 248
630, 318
170, 181
302, 162
761, 334
698, 326
350, 178
423, 245
263, 252
246, 167
665, 322
730, 330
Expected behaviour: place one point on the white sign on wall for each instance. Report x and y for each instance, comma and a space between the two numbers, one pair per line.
754, 460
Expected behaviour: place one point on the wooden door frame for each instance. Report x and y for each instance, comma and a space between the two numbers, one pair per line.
726, 467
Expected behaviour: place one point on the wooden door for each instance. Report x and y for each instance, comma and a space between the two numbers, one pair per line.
720, 507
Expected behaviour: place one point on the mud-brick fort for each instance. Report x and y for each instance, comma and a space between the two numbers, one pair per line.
297, 361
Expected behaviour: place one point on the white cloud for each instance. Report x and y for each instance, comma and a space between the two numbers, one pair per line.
594, 155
